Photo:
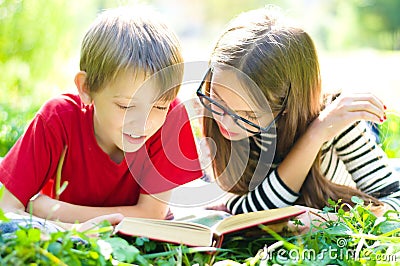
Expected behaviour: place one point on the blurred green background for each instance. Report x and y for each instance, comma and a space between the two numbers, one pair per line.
358, 42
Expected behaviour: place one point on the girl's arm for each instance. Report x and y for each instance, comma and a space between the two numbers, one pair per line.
368, 164
148, 206
339, 115
281, 187
272, 193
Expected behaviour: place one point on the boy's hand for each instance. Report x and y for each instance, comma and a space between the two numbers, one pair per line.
114, 219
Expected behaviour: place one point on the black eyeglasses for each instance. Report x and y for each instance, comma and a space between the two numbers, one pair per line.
221, 110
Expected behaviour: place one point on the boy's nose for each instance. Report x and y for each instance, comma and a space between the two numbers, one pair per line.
148, 125
140, 126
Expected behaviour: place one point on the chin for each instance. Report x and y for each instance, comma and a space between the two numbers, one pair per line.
235, 138
132, 149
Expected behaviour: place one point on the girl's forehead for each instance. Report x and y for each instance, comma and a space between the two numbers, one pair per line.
228, 86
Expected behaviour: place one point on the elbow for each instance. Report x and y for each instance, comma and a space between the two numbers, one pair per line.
150, 213
10, 203
162, 214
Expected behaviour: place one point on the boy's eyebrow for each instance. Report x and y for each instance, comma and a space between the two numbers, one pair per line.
132, 99
122, 97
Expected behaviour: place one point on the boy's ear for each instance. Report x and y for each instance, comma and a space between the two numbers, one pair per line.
80, 82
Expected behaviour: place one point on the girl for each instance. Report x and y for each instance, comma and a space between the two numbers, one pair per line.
277, 140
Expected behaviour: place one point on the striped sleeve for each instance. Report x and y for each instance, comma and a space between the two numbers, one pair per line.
368, 164
272, 193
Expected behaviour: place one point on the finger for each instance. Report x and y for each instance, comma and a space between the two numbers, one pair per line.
365, 106
170, 215
367, 116
114, 218
369, 97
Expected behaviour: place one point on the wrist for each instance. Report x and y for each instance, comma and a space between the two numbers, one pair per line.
316, 134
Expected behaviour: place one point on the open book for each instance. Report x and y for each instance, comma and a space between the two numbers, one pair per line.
206, 229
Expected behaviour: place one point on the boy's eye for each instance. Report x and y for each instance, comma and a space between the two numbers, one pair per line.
124, 107
160, 107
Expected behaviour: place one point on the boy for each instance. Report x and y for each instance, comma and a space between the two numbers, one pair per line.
120, 110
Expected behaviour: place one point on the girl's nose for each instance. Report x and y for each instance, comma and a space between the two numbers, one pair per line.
227, 121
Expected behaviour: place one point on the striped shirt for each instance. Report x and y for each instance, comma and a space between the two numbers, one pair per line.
352, 158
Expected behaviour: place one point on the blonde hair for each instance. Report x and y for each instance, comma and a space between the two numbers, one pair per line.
275, 57
124, 39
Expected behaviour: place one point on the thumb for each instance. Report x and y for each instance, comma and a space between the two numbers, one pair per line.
114, 218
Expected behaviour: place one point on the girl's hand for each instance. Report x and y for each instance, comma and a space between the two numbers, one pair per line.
346, 110
381, 210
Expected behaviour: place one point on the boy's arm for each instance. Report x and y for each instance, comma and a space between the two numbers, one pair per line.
148, 206
10, 203
25, 219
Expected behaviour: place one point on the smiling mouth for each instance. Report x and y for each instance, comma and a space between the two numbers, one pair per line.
134, 139
135, 136
226, 132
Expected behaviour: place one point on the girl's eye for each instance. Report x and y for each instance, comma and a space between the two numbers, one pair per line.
247, 115
250, 117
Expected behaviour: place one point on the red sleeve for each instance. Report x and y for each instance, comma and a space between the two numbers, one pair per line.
28, 165
172, 154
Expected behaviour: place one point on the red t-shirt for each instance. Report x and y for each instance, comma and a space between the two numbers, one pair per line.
168, 159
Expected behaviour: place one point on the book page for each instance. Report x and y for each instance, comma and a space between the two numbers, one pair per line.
245, 220
208, 218
166, 230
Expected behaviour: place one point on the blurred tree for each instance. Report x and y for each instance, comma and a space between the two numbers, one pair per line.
35, 36
379, 23
353, 24
220, 12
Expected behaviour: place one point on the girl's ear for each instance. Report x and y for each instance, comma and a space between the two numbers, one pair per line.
80, 82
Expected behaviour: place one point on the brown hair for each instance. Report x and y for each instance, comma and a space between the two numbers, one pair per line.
275, 57
131, 39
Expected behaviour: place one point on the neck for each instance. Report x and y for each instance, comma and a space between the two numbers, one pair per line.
115, 153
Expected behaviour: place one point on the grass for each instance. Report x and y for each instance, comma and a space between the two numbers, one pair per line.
355, 237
